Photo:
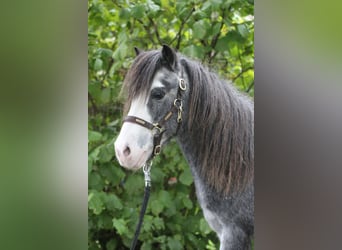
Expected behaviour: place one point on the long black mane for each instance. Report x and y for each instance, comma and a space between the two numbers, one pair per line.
221, 121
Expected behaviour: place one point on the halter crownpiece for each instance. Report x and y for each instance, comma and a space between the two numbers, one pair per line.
158, 126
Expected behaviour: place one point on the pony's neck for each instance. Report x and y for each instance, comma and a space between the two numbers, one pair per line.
188, 148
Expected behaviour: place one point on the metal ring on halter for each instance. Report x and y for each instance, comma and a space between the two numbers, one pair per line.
178, 103
182, 85
157, 150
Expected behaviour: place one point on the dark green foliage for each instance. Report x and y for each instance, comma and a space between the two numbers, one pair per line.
218, 33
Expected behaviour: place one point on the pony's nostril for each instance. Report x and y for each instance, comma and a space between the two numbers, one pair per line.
127, 151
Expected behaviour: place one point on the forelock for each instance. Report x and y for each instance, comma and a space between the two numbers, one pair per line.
139, 77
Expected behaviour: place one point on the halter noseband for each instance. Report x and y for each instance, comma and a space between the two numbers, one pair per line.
158, 127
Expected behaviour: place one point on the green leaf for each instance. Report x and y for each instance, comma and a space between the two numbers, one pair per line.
214, 30
117, 65
242, 29
93, 155
204, 227
211, 245
144, 246
113, 202
187, 202
194, 51
105, 221
181, 8
147, 225
95, 181
186, 177
105, 52
120, 225
152, 6
95, 90
94, 136
165, 3
134, 183
206, 8
165, 198
112, 244
160, 239
106, 153
138, 11
124, 14
222, 44
174, 244
156, 207
120, 52
234, 36
95, 203
117, 176
157, 175
98, 64
106, 95
199, 30
158, 223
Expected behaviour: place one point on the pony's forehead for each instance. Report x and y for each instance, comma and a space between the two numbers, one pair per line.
149, 78
161, 79
164, 78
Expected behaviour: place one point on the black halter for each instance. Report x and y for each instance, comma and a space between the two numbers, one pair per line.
159, 126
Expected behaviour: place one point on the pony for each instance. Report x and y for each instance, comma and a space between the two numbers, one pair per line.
170, 95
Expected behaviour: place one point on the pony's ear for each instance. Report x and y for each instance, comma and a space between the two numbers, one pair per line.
170, 56
137, 51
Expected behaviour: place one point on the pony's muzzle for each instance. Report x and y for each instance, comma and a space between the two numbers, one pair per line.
129, 154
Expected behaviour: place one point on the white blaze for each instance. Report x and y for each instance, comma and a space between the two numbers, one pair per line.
134, 144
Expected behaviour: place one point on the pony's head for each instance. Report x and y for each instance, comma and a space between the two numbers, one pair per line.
152, 86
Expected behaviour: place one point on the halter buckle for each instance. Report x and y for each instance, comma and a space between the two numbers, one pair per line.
157, 126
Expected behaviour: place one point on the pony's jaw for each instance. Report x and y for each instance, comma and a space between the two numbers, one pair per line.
134, 143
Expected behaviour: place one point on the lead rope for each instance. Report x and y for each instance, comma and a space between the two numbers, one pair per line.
147, 173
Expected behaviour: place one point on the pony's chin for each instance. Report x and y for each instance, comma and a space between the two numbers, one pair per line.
132, 168
134, 165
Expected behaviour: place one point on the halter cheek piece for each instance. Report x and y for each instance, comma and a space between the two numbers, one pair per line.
177, 107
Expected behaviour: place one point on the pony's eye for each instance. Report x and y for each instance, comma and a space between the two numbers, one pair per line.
157, 93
